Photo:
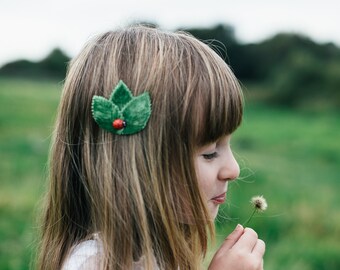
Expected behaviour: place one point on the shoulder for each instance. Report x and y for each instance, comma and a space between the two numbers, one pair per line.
85, 255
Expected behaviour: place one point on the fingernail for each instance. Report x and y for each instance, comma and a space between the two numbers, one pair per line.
239, 227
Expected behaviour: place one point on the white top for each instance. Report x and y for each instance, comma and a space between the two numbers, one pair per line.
86, 256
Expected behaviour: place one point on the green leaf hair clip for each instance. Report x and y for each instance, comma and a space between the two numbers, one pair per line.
122, 113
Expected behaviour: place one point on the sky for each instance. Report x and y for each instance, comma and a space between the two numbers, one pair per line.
31, 29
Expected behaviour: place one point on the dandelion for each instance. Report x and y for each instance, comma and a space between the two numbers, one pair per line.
259, 203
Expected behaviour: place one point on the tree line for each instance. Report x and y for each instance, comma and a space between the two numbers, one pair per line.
291, 68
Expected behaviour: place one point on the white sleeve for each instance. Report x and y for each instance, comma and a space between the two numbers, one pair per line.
85, 255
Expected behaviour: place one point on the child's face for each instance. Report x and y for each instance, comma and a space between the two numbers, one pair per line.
215, 165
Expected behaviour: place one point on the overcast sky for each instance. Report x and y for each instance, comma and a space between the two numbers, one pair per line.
30, 29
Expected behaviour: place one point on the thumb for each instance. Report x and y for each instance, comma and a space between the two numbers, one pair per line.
233, 237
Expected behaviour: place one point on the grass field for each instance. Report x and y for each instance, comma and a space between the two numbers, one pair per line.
290, 157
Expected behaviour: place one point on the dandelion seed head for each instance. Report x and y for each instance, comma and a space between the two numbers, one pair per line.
259, 203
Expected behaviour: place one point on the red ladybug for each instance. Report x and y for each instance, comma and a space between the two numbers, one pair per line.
119, 124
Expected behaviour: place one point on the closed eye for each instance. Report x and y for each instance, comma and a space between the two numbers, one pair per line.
210, 156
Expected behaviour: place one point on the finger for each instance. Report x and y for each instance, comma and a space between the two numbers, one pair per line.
261, 267
232, 238
259, 248
247, 240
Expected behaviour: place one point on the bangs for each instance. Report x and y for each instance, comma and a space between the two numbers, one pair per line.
217, 107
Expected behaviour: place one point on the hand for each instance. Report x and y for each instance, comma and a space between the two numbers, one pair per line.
241, 250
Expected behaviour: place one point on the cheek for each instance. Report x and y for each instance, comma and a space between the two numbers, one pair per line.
204, 178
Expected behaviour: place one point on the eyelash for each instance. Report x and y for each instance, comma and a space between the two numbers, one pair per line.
210, 156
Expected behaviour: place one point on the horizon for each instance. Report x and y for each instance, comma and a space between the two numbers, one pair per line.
35, 28
37, 60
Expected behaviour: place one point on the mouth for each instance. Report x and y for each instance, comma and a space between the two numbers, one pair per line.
220, 198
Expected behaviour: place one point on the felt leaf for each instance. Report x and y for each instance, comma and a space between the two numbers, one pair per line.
131, 113
104, 113
137, 113
121, 95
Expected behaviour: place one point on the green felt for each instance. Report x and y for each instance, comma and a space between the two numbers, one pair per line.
135, 111
121, 95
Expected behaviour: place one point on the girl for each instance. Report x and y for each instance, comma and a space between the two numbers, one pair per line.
137, 174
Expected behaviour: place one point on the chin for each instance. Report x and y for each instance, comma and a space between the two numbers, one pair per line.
213, 209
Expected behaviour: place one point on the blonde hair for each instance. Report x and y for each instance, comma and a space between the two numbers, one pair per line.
139, 192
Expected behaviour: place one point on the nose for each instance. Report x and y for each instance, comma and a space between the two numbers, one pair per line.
229, 169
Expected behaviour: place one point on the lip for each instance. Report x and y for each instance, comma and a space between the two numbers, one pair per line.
220, 198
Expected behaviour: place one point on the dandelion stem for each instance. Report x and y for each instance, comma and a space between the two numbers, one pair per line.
247, 221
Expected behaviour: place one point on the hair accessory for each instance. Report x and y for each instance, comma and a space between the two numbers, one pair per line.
122, 113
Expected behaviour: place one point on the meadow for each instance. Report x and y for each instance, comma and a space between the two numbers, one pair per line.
291, 157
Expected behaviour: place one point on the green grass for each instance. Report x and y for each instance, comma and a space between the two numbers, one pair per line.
27, 111
290, 157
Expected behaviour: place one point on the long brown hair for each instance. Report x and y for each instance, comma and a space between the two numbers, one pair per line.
139, 191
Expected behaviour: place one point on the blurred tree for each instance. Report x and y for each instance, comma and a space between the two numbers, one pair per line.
19, 68
220, 38
53, 66
223, 33
274, 51
55, 63
304, 79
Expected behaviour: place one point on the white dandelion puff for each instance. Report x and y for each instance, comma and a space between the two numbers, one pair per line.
260, 204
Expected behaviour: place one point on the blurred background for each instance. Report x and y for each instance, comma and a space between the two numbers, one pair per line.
287, 57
